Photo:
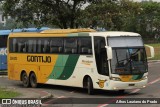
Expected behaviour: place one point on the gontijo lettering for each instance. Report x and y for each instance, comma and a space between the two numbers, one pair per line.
44, 59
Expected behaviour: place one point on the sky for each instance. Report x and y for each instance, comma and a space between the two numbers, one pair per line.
148, 0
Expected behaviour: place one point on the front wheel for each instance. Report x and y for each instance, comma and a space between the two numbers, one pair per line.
33, 80
90, 86
25, 80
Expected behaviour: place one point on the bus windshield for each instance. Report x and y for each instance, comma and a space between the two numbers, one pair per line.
129, 61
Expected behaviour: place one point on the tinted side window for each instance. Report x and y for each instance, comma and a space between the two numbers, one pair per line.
18, 44
46, 46
30, 46
70, 45
56, 45
13, 45
85, 45
40, 45
3, 39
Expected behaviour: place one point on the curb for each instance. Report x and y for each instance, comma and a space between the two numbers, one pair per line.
152, 61
46, 97
49, 95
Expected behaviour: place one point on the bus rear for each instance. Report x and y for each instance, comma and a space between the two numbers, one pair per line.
3, 48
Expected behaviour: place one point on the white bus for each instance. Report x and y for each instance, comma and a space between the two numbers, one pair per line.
78, 58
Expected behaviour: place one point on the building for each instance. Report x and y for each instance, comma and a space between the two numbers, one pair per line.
3, 18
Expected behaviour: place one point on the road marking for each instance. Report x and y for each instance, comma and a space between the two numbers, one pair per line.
134, 91
72, 92
154, 81
44, 93
103, 105
61, 97
49, 101
113, 100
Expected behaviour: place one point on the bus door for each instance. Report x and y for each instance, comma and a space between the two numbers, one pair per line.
101, 58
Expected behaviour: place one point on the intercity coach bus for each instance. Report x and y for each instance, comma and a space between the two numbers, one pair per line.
84, 58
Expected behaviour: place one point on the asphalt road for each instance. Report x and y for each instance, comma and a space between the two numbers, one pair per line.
60, 92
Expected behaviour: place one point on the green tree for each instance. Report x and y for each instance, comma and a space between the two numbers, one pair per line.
131, 12
103, 14
150, 17
62, 13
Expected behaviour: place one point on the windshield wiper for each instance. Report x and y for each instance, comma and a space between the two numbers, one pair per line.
135, 52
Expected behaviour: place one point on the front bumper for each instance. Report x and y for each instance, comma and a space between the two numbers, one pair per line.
119, 85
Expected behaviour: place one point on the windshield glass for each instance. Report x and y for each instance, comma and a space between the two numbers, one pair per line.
129, 61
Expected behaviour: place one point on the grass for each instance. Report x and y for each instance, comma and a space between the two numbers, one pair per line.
5, 93
156, 50
155, 45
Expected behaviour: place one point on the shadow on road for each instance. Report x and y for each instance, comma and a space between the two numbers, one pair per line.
84, 91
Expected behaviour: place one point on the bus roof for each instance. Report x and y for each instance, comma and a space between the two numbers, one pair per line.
73, 32
35, 29
54, 32
114, 33
62, 31
7, 32
4, 32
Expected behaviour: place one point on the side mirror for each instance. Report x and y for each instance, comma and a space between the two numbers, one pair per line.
109, 52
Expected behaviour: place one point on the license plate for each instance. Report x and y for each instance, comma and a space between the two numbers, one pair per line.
131, 84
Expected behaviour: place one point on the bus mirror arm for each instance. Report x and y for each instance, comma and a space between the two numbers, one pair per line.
109, 52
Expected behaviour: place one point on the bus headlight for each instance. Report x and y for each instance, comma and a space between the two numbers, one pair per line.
144, 77
115, 79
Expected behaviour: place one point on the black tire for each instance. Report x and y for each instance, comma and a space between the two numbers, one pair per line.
90, 86
25, 80
33, 80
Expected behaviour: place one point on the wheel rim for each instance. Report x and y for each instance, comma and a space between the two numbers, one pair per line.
25, 79
33, 80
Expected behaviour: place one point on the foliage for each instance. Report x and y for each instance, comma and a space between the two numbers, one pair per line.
126, 15
11, 24
62, 13
102, 14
